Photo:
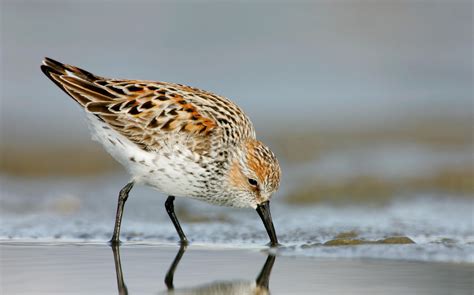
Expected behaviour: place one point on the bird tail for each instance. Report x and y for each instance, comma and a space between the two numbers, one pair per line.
77, 83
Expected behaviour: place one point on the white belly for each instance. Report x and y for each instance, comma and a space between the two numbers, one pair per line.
172, 170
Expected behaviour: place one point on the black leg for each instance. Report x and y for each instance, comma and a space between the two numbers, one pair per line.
123, 196
122, 288
170, 209
170, 274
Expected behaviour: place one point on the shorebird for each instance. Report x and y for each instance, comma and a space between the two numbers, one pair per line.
177, 139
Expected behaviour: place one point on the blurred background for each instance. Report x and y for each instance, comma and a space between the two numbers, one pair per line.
363, 101
369, 91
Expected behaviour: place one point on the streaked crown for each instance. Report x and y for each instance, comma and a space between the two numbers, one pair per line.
262, 161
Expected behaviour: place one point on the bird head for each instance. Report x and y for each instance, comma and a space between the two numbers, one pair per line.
254, 176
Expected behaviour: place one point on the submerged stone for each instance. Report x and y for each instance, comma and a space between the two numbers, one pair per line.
352, 242
345, 242
396, 240
347, 235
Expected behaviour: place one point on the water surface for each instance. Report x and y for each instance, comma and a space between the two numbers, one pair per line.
68, 268
82, 210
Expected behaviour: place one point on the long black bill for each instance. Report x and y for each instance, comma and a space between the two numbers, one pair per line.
264, 212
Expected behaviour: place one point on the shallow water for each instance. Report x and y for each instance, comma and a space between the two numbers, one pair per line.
68, 268
82, 210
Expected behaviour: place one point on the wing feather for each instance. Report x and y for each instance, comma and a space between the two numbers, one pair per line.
146, 111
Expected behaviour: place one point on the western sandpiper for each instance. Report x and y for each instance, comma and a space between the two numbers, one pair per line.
180, 140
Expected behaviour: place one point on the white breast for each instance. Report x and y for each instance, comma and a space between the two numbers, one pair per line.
172, 170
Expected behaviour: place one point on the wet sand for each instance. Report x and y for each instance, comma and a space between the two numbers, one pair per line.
78, 268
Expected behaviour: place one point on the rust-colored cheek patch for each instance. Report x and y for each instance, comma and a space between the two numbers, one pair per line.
236, 178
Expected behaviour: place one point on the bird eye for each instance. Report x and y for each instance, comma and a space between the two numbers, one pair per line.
252, 182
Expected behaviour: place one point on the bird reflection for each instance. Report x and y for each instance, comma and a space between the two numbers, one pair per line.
259, 286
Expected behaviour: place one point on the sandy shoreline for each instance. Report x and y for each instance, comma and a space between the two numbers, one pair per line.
65, 268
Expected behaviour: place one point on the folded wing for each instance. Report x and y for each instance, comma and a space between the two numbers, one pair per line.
143, 111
